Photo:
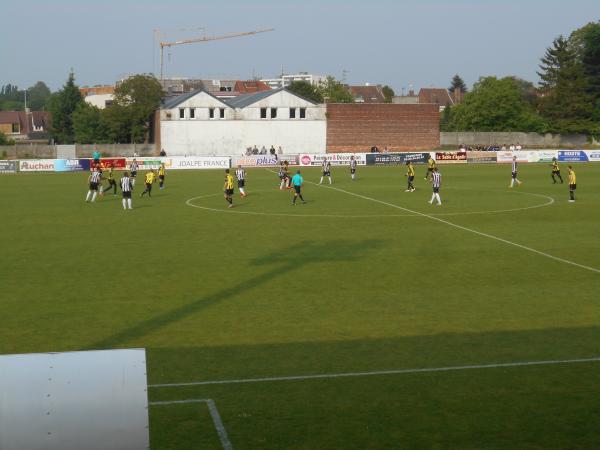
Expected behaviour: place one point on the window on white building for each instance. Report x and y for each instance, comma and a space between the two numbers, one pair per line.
211, 113
292, 113
273, 113
222, 113
303, 113
182, 113
263, 113
192, 113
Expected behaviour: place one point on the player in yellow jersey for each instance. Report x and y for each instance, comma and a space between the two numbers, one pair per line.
228, 188
572, 184
149, 179
161, 175
556, 171
410, 175
111, 180
430, 167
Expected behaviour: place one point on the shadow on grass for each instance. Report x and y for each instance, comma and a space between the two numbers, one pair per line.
285, 261
363, 355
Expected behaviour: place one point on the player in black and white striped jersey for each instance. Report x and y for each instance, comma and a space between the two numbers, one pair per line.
353, 167
93, 180
515, 168
126, 188
436, 181
240, 174
133, 167
325, 170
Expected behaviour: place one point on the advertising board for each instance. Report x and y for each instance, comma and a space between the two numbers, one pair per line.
71, 165
593, 155
255, 161
385, 159
572, 155
336, 159
451, 157
36, 165
197, 162
8, 166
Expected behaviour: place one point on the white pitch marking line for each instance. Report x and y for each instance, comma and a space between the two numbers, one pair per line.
379, 372
214, 413
470, 230
550, 201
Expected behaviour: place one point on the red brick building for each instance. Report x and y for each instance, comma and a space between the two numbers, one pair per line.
358, 127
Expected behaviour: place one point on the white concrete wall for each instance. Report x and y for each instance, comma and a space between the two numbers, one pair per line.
243, 127
99, 100
231, 137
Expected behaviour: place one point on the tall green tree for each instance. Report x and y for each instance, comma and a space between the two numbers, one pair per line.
565, 102
335, 92
306, 90
62, 105
388, 93
139, 96
88, 126
37, 96
457, 82
494, 105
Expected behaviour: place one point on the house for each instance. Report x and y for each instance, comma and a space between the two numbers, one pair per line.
31, 126
286, 80
98, 96
200, 123
367, 93
437, 96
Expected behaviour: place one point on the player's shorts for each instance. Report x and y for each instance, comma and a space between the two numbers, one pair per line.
126, 194
148, 186
327, 174
352, 170
161, 177
411, 178
241, 183
572, 187
436, 190
96, 161
297, 189
556, 172
430, 169
514, 175
228, 191
93, 186
133, 174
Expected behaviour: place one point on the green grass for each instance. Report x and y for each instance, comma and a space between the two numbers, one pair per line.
340, 284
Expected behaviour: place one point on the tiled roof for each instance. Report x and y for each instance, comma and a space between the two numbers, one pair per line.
173, 102
439, 96
247, 99
367, 94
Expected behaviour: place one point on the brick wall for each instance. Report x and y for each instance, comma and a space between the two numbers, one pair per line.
355, 127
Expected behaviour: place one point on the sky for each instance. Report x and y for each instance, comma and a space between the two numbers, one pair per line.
399, 43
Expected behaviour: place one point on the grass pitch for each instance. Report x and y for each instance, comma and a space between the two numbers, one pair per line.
356, 280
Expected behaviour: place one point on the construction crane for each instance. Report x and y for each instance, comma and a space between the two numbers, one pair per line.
203, 39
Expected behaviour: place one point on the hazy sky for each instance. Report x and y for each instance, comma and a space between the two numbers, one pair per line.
378, 41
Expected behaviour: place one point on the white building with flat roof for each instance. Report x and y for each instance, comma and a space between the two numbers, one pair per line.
198, 123
286, 80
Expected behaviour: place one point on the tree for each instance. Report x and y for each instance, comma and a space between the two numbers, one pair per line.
62, 105
495, 105
138, 96
565, 101
388, 93
446, 119
457, 82
88, 126
37, 96
335, 92
4, 140
306, 90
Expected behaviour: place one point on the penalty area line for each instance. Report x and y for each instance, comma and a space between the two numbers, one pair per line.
380, 372
214, 414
